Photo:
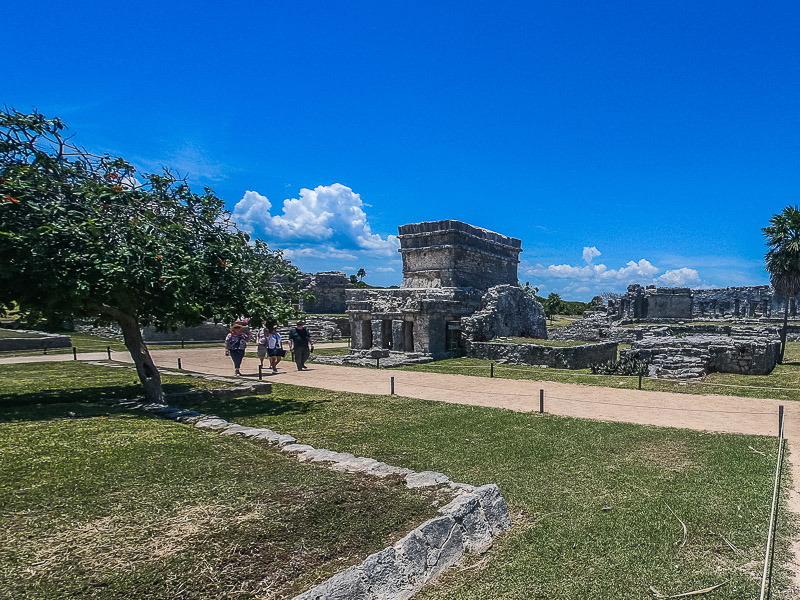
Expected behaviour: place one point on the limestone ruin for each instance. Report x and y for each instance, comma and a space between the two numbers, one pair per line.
459, 285
329, 288
681, 303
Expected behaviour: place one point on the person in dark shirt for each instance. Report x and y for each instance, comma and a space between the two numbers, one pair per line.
300, 343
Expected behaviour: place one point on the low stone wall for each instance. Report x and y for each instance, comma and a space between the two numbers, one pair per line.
557, 357
695, 356
40, 342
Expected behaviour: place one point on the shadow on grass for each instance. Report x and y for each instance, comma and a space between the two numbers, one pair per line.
59, 403
249, 406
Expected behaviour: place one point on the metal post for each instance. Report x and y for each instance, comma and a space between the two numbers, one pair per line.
108, 349
180, 367
74, 353
260, 372
392, 387
640, 382
541, 401
491, 370
378, 363
780, 421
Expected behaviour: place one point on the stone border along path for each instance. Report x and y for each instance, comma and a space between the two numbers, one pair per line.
467, 524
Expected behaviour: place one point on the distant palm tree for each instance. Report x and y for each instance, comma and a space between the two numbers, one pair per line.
361, 274
783, 259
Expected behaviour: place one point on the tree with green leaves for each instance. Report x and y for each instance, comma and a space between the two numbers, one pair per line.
783, 259
86, 236
553, 305
361, 274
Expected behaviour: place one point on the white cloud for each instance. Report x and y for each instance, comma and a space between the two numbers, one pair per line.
583, 280
589, 253
385, 269
328, 213
680, 277
631, 271
318, 252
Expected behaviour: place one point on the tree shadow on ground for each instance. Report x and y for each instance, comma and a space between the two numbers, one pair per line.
59, 403
249, 406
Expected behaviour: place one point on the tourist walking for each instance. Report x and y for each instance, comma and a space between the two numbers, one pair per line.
235, 344
275, 349
300, 343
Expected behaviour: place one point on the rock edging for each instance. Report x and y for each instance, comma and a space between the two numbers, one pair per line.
468, 524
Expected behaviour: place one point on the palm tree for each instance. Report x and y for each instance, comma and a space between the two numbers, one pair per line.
361, 274
783, 259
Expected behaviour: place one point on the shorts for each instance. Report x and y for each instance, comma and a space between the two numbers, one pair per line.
262, 351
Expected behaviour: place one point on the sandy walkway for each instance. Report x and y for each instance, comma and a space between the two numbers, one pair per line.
725, 414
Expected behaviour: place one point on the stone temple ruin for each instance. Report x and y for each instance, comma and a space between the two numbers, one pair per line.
657, 323
746, 302
459, 285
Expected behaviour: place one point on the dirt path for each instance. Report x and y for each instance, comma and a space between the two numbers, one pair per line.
723, 414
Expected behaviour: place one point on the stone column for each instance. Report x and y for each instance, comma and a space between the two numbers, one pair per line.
397, 335
357, 332
377, 333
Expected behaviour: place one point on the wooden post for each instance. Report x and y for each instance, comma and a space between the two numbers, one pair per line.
74, 353
378, 362
108, 349
491, 370
180, 367
260, 372
640, 381
181, 344
392, 387
541, 401
780, 421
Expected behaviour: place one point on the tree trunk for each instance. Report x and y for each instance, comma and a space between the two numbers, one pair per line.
783, 331
148, 373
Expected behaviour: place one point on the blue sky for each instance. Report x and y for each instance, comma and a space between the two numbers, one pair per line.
621, 142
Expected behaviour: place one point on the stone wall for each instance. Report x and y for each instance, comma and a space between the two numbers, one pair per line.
695, 356
506, 310
40, 341
566, 357
329, 288
455, 254
757, 301
743, 302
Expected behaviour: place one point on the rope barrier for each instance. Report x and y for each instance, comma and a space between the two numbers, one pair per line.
200, 367
769, 553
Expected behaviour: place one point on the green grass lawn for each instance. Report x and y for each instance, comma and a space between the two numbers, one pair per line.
51, 390
95, 343
590, 499
110, 504
786, 376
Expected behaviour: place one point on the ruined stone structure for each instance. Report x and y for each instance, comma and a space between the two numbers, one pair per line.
329, 289
557, 357
652, 303
695, 356
745, 302
448, 270
756, 301
452, 254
